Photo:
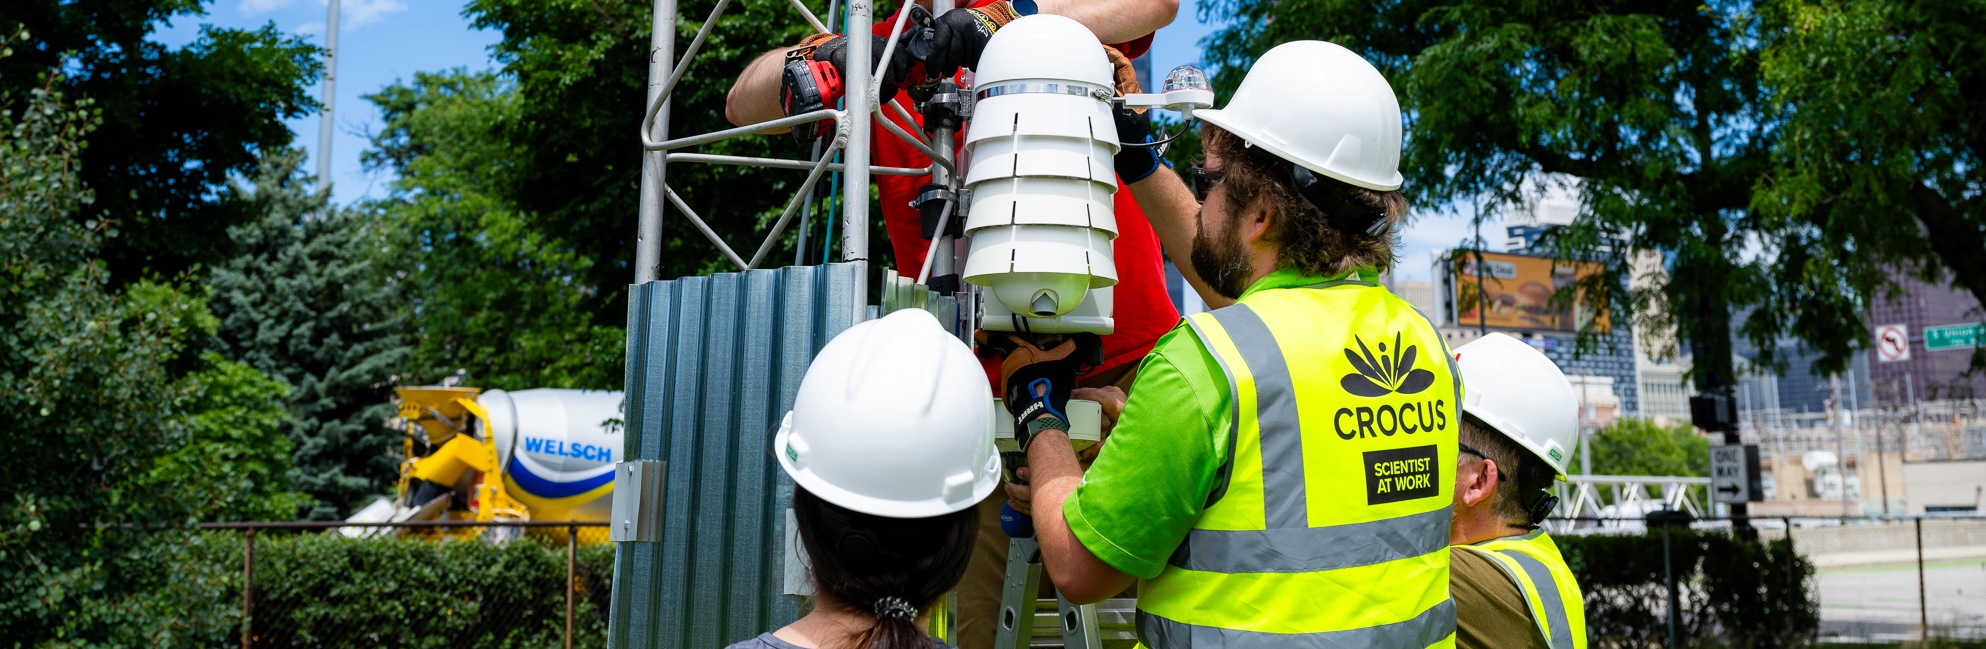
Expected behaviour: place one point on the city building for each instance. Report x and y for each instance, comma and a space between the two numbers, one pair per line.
1517, 288
1923, 374
1798, 389
1661, 369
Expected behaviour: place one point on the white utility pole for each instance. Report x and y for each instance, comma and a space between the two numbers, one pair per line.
325, 128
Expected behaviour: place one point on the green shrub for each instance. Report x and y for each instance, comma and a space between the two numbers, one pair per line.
183, 589
325, 590
1734, 593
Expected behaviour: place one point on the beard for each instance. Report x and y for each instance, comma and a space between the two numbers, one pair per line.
1220, 260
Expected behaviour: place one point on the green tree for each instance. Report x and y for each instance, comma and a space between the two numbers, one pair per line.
497, 297
1657, 109
235, 462
309, 301
88, 389
174, 122
581, 70
1878, 103
1642, 447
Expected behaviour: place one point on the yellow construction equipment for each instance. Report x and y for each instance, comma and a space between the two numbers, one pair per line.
497, 457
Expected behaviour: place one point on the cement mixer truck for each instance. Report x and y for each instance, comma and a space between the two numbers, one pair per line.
497, 456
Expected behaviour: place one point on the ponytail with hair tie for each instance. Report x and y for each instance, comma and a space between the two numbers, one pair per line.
887, 566
895, 607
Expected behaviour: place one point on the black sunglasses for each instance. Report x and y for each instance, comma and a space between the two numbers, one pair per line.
1204, 181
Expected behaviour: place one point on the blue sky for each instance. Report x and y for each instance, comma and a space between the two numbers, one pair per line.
1429, 230
383, 41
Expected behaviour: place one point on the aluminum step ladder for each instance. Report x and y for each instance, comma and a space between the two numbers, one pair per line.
1018, 600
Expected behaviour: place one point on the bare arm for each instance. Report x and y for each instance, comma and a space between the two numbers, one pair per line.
754, 97
1078, 574
1115, 21
1175, 217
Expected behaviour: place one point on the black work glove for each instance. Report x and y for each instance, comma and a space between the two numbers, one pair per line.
835, 52
1038, 398
960, 35
1135, 163
1036, 375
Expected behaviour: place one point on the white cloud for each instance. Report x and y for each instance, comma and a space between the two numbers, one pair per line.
359, 13
262, 6
352, 13
311, 28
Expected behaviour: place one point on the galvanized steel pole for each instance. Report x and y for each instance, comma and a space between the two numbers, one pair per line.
943, 139
661, 56
855, 187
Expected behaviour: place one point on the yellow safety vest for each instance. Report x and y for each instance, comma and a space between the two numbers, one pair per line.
1329, 525
1533, 561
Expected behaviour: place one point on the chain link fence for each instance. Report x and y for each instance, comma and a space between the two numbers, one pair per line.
430, 584
1869, 581
548, 584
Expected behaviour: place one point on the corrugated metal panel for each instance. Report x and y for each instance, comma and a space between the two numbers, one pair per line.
713, 364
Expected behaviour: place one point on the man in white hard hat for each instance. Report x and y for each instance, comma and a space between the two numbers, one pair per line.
1519, 422
1278, 475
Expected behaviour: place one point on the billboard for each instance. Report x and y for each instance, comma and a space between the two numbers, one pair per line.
1516, 292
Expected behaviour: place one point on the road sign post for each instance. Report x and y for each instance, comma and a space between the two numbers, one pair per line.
1960, 336
1734, 474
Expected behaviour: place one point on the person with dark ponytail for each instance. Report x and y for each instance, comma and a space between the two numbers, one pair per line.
890, 452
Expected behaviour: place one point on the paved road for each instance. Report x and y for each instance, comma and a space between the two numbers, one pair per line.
1880, 602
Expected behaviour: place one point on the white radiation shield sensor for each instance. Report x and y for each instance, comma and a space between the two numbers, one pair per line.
1041, 143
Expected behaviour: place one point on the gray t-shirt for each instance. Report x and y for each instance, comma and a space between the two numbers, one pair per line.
768, 641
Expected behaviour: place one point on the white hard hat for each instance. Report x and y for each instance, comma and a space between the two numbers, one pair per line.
1319, 105
1512, 388
891, 421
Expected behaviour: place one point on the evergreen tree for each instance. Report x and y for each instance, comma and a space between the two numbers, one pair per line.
310, 301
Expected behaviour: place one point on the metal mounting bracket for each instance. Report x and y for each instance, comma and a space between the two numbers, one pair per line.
638, 501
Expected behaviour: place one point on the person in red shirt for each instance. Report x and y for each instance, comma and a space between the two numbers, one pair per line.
1143, 310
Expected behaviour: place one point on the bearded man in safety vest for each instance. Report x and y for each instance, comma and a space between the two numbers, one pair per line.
1277, 477
1519, 418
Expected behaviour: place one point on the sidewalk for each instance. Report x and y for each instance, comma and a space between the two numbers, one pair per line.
1894, 557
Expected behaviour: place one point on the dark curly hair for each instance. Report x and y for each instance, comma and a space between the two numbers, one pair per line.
1302, 233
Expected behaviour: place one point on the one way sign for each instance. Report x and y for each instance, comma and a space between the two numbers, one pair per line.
1734, 475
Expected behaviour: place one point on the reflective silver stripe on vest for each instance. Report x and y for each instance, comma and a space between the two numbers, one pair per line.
1313, 549
1225, 473
1429, 627
1284, 503
1547, 587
